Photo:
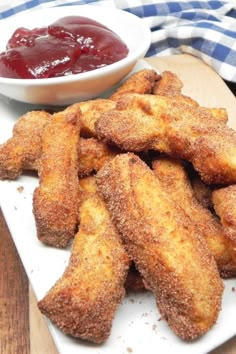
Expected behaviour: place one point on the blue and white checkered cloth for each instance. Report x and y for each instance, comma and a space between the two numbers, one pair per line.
205, 29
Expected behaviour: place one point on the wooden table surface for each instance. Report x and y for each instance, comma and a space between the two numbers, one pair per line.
22, 328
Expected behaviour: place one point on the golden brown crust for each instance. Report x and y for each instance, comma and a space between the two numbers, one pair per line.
23, 149
93, 154
168, 251
141, 82
84, 300
131, 125
224, 201
169, 84
174, 180
167, 124
55, 201
91, 111
219, 114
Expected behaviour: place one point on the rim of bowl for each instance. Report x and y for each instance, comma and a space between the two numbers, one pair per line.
131, 57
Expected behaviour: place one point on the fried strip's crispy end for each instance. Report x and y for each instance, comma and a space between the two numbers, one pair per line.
174, 180
167, 250
23, 149
84, 300
141, 82
91, 111
93, 154
220, 114
166, 124
224, 202
168, 85
55, 201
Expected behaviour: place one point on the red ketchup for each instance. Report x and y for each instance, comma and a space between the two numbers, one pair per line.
71, 45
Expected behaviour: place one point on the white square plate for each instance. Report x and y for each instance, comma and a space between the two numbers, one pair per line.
137, 327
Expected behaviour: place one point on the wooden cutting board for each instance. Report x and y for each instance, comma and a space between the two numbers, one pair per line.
202, 84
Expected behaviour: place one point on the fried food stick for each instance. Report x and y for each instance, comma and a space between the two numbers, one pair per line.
134, 280
55, 201
174, 180
141, 82
167, 124
170, 85
167, 249
23, 149
84, 300
93, 154
224, 202
91, 111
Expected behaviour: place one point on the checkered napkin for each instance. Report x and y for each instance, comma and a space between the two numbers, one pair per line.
205, 29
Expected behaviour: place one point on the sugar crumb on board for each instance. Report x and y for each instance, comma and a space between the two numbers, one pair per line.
154, 328
129, 350
20, 189
145, 314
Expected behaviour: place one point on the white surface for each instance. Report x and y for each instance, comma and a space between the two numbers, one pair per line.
73, 88
136, 325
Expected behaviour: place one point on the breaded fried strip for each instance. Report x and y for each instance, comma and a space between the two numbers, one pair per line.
168, 251
174, 180
93, 154
91, 111
141, 82
169, 84
55, 201
220, 114
224, 202
23, 149
84, 300
166, 124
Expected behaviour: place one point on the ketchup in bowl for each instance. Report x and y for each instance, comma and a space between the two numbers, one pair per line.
71, 45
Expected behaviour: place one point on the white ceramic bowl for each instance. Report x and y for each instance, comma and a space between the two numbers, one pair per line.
78, 87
